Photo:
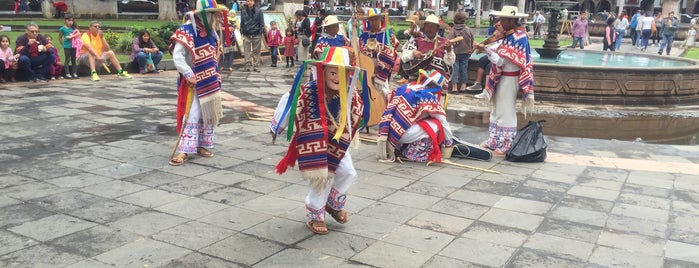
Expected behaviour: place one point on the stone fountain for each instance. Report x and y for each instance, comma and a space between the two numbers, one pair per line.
551, 49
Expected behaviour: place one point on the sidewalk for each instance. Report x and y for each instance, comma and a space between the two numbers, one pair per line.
84, 182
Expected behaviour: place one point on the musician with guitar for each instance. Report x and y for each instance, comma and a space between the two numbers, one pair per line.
429, 52
510, 72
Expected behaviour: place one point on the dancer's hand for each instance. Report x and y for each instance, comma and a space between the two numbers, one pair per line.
192, 80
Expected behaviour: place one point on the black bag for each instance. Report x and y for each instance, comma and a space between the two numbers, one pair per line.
529, 144
305, 41
463, 149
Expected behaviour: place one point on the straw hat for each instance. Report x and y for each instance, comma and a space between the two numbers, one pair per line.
432, 19
413, 19
373, 12
510, 12
336, 56
330, 20
209, 6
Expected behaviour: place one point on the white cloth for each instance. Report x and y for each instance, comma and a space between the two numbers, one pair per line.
345, 176
277, 119
415, 132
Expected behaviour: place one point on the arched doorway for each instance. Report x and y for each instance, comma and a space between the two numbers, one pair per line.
588, 6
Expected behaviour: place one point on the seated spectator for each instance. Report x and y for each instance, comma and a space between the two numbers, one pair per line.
34, 58
8, 60
61, 8
143, 50
96, 51
56, 70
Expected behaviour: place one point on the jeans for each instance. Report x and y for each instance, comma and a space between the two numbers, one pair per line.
274, 50
578, 39
44, 61
667, 40
141, 58
251, 47
460, 74
619, 38
634, 36
639, 39
646, 35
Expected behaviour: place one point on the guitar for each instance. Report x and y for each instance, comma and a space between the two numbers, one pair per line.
377, 104
412, 67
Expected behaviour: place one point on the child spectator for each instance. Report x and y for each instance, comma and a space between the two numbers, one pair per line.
274, 39
289, 43
57, 67
67, 34
229, 51
8, 61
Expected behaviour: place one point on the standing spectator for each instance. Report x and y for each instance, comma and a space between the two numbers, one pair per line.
182, 7
252, 26
620, 27
463, 52
610, 35
8, 60
538, 22
289, 43
57, 67
61, 8
639, 31
274, 39
632, 27
229, 51
668, 30
31, 47
21, 6
484, 63
580, 30
303, 33
647, 24
96, 51
67, 33
655, 35
317, 28
143, 49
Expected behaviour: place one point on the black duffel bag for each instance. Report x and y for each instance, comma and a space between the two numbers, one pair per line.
529, 144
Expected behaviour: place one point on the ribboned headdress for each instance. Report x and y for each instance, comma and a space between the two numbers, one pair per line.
342, 58
373, 12
208, 6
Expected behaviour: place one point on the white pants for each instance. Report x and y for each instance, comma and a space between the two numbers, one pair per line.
196, 133
334, 194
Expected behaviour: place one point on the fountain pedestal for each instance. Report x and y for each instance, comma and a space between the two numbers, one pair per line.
551, 49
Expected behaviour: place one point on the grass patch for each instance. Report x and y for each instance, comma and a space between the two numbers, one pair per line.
46, 24
692, 53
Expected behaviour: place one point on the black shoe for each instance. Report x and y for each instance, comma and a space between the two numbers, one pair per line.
40, 79
273, 65
660, 53
256, 70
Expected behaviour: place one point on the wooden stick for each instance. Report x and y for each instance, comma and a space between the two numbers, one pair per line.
449, 162
190, 99
261, 119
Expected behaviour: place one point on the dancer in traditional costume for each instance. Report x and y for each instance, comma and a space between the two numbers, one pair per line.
414, 122
511, 71
330, 36
325, 116
419, 49
379, 43
195, 52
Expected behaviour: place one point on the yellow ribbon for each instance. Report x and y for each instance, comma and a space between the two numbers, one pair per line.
343, 102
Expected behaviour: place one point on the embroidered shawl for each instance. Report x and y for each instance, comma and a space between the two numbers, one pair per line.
424, 45
327, 41
385, 54
408, 104
515, 48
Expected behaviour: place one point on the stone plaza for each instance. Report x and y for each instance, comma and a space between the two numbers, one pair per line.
85, 182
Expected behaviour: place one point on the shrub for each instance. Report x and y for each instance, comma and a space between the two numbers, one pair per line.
111, 37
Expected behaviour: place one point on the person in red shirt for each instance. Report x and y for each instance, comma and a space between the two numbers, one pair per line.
274, 39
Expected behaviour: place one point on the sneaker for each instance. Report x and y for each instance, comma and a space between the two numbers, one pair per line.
141, 70
94, 77
479, 95
124, 74
68, 76
475, 87
75, 76
53, 78
256, 70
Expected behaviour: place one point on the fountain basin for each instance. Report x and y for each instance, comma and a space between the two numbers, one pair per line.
597, 77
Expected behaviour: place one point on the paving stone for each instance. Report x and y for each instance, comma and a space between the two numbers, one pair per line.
192, 208
444, 178
560, 247
459, 209
644, 227
94, 241
444, 262
418, 239
190, 186
148, 222
337, 244
640, 212
555, 176
523, 205
474, 197
384, 180
270, 205
88, 163
654, 179
242, 248
230, 195
220, 161
440, 222
491, 187
587, 203
119, 171
478, 252
66, 201
593, 192
688, 196
355, 204
291, 257
389, 212
512, 219
51, 227
684, 220
508, 168
262, 185
612, 257
368, 227
645, 201
295, 192
682, 251
582, 232
235, 218
198, 260
411, 199
281, 230
112, 189
686, 182
7, 180
502, 178
38, 256
532, 258
410, 170
685, 235
89, 263
225, 177
105, 211
190, 171
593, 218
370, 191
383, 254
78, 180
32, 190
193, 235
20, 213
548, 186
496, 234
151, 198
10, 242
618, 175
685, 207
46, 172
142, 252
670, 263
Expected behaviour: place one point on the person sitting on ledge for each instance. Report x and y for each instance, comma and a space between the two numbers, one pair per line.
143, 50
96, 50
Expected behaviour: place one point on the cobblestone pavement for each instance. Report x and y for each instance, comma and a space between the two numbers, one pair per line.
84, 182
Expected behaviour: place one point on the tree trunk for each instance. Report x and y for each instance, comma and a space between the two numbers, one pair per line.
166, 10
671, 5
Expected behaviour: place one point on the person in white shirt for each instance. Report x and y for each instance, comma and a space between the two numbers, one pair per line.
538, 22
